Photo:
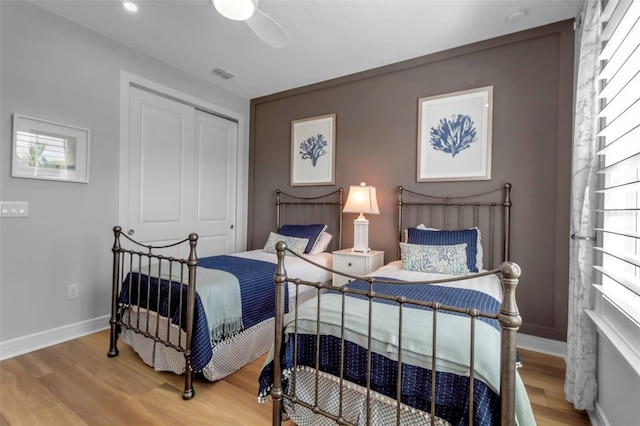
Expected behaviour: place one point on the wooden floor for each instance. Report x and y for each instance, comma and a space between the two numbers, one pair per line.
75, 383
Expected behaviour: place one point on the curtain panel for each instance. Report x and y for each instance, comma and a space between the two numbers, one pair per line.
580, 381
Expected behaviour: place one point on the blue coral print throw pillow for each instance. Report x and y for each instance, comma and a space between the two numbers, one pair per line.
446, 259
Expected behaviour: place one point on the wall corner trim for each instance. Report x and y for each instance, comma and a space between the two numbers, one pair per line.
43, 339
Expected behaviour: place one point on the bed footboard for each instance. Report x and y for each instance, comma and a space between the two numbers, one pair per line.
507, 317
154, 296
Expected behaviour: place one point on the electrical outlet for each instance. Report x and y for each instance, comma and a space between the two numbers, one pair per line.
72, 291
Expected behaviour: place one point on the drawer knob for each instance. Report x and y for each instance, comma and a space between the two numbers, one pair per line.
349, 264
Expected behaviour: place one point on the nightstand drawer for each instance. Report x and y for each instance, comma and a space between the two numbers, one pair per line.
355, 263
350, 264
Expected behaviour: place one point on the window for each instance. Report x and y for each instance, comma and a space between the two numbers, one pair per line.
618, 262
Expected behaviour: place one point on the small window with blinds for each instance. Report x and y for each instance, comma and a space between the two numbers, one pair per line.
619, 139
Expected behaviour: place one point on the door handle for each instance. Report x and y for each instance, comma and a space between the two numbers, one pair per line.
131, 232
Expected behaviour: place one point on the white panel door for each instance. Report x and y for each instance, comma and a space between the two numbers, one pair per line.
217, 156
180, 174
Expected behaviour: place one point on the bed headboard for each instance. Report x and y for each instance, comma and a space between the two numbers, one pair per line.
488, 211
327, 209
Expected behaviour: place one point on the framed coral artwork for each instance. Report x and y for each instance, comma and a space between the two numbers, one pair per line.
313, 151
454, 136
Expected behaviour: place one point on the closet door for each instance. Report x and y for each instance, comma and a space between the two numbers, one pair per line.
216, 154
180, 168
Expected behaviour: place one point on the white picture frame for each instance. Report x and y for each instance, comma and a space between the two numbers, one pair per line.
313, 148
454, 136
47, 150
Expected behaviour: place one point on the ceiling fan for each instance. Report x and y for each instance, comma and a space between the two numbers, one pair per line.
260, 23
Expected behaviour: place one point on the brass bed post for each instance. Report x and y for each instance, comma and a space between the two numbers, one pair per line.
399, 221
340, 205
510, 321
113, 336
278, 209
279, 278
507, 220
192, 264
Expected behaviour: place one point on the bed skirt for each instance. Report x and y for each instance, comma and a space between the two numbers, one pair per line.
228, 356
354, 400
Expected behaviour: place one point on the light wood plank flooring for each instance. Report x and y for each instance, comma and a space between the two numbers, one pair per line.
75, 383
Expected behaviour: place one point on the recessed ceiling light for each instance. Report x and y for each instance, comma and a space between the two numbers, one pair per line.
130, 6
516, 16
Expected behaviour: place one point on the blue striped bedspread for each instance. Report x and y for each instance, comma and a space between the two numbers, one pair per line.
257, 293
450, 296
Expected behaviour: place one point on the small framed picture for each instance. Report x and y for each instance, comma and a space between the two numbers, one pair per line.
52, 151
454, 136
313, 151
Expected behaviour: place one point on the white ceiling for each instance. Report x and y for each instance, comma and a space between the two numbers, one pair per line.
329, 38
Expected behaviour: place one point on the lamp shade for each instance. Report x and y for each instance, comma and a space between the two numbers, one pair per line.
237, 10
361, 199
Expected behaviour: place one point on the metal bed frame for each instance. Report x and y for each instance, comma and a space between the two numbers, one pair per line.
135, 259
459, 212
290, 209
508, 316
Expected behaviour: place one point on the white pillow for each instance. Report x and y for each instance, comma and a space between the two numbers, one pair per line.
323, 242
296, 244
447, 259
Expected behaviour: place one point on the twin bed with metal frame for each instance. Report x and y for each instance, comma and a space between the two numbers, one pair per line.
228, 321
397, 345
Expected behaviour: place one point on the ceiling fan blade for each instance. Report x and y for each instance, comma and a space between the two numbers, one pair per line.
268, 30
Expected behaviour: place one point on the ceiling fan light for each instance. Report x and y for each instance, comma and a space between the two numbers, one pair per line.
237, 10
130, 6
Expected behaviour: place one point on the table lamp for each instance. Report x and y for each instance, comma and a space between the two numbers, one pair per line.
362, 199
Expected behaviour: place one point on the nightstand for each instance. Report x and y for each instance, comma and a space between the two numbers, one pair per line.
355, 263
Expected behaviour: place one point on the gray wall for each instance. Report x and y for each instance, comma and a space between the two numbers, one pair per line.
56, 70
532, 77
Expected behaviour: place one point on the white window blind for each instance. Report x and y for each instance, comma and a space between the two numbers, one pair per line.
619, 139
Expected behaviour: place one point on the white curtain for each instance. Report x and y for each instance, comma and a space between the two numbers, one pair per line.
580, 382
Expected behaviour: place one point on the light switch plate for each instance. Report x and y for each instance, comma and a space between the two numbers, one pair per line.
14, 208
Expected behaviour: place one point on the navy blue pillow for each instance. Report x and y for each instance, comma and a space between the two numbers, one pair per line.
312, 232
447, 238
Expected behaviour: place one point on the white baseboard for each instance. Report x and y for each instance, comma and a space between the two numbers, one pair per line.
597, 417
22, 345
542, 345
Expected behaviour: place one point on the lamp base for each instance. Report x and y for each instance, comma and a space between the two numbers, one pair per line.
360, 249
361, 235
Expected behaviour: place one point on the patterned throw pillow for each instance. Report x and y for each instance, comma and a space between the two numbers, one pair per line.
447, 259
470, 236
296, 244
479, 253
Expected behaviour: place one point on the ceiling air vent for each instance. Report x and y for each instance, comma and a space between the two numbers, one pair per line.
222, 73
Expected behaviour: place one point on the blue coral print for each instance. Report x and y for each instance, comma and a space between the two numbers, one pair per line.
455, 135
313, 148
